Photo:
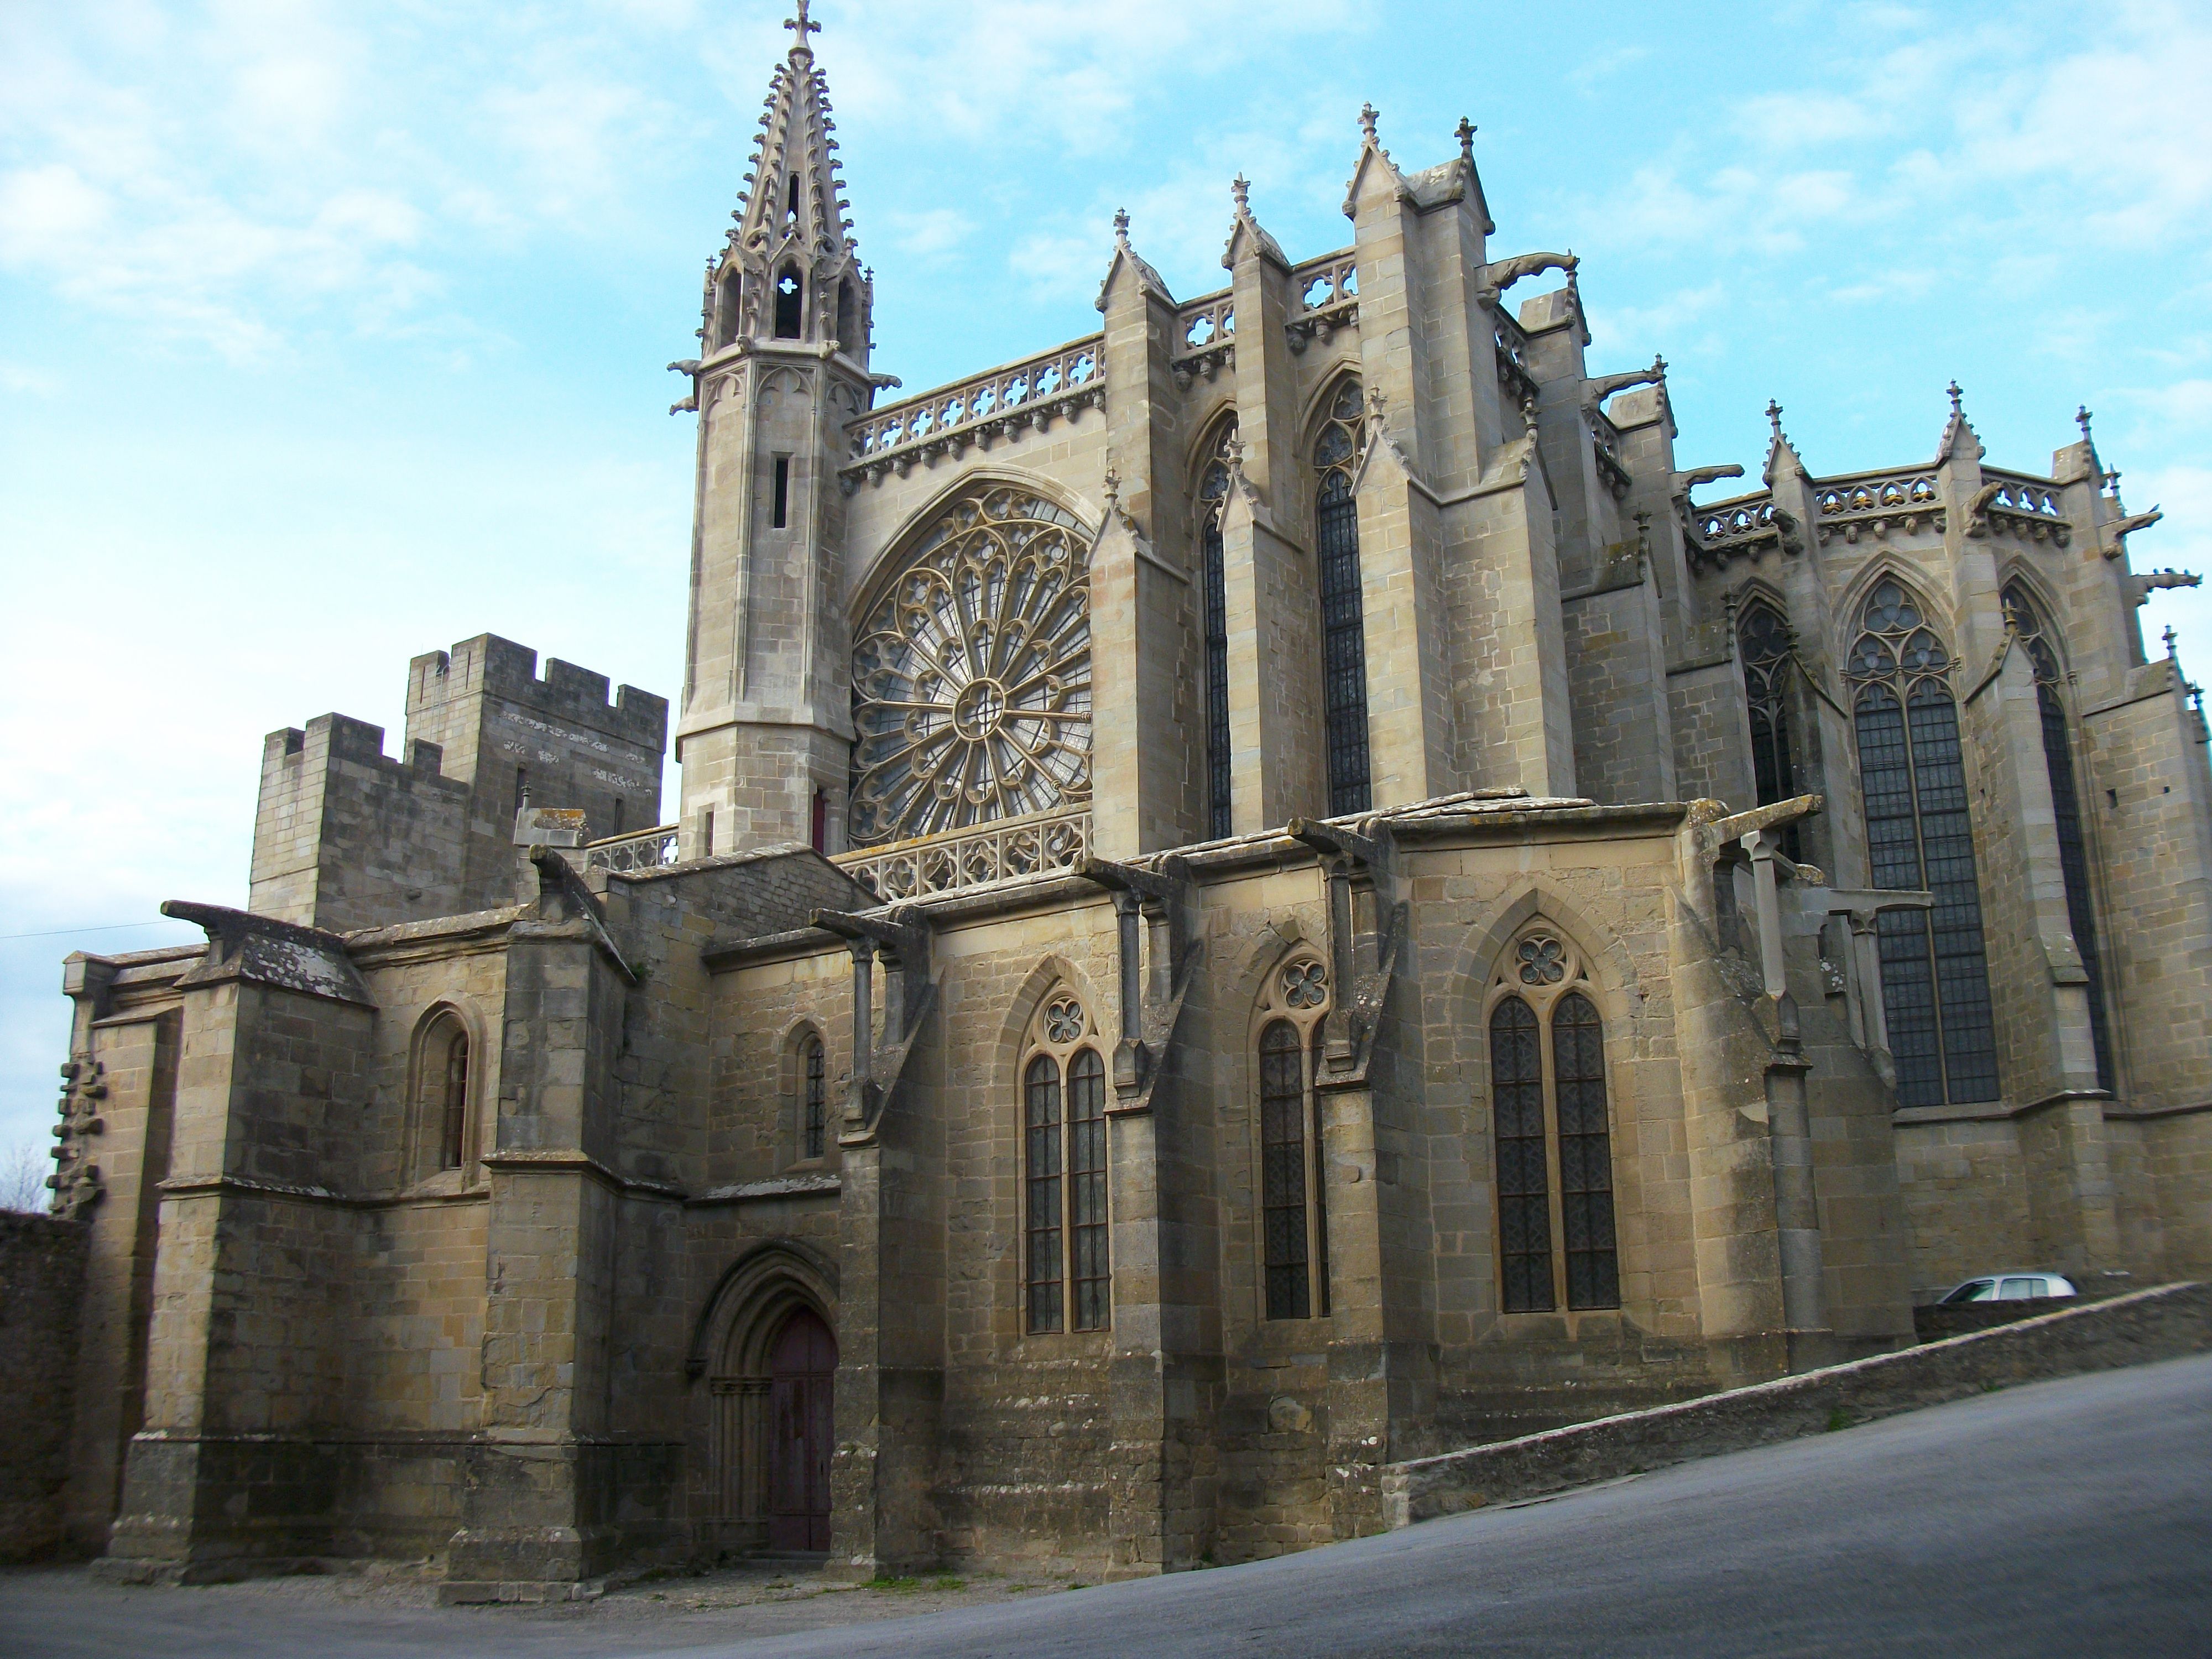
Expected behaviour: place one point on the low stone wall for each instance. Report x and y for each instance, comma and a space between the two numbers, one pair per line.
2163, 1323
41, 1283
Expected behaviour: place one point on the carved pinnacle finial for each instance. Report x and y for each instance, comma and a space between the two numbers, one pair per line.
1121, 226
2112, 482
1466, 130
1112, 484
1376, 402
1240, 192
2169, 639
2082, 420
1774, 418
1367, 121
801, 26
1658, 365
1956, 394
1528, 412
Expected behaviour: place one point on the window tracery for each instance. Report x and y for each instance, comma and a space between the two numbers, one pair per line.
790, 293
1764, 643
1293, 1188
1934, 971
1344, 643
1551, 1135
2026, 620
1212, 501
971, 676
1068, 1274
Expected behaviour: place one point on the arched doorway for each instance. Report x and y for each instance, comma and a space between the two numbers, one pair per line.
802, 1382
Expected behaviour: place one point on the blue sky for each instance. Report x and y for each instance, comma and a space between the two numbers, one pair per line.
334, 333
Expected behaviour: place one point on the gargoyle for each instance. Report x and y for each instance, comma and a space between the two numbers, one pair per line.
1596, 390
2117, 532
1501, 275
1684, 483
1978, 510
2143, 585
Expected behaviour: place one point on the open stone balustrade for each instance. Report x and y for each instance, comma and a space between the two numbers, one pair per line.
1205, 339
643, 849
1328, 297
1004, 851
1033, 391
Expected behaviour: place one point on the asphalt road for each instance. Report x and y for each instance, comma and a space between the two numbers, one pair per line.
2066, 1518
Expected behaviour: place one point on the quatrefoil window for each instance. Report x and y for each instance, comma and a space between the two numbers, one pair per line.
1305, 985
1543, 961
1063, 1020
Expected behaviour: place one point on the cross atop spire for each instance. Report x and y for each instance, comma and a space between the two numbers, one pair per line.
1956, 395
801, 26
1774, 418
1466, 130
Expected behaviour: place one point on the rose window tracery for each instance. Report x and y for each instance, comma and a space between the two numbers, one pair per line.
971, 675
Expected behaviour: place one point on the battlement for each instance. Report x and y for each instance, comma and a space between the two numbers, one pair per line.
343, 737
494, 668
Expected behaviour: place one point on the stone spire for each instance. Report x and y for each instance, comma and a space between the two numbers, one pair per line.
1464, 132
1245, 231
791, 240
1958, 429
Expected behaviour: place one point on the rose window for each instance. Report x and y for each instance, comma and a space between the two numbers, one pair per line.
1543, 962
971, 675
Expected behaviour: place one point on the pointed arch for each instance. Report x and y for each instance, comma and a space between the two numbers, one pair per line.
445, 1059
2031, 617
1887, 565
1334, 451
1212, 501
870, 581
790, 291
1918, 812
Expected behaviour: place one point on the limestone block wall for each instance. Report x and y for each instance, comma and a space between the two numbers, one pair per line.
42, 1262
344, 837
1965, 1191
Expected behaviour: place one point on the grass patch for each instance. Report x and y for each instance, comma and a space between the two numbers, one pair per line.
945, 1581
893, 1586
1838, 1419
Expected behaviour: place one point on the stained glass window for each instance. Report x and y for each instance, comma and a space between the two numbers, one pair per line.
1585, 1154
1212, 498
1088, 1272
1066, 1198
1763, 647
971, 675
1935, 971
817, 1116
1344, 642
1524, 1210
1042, 1090
1283, 1170
2066, 812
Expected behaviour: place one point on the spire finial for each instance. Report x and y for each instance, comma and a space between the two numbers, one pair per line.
1367, 121
2082, 420
1121, 226
1957, 412
1112, 482
801, 26
2169, 639
1240, 192
1466, 130
1774, 418
1658, 366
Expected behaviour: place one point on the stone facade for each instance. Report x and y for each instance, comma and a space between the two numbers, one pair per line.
1249, 903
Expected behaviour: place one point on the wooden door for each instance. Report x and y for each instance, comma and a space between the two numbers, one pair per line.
802, 1376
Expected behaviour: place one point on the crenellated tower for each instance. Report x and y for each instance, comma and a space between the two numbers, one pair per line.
765, 733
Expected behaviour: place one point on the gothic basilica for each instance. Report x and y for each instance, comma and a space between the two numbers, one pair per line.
1271, 889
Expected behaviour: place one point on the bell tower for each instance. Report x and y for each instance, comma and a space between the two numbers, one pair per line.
765, 733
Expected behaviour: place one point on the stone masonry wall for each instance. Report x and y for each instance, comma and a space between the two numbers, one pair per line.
41, 1272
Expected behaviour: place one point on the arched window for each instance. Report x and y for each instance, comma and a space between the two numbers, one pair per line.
1934, 968
442, 1091
1763, 647
1550, 1135
1212, 499
1343, 642
848, 318
1065, 1213
813, 1099
971, 673
2065, 810
790, 290
1293, 1193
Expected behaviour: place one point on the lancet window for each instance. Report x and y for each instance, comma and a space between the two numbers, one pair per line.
2026, 620
1212, 500
1067, 1269
971, 674
813, 1098
441, 1091
1763, 647
1934, 968
1344, 642
1293, 1188
790, 293
1551, 1134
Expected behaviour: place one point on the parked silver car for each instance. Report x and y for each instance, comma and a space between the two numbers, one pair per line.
2009, 1287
